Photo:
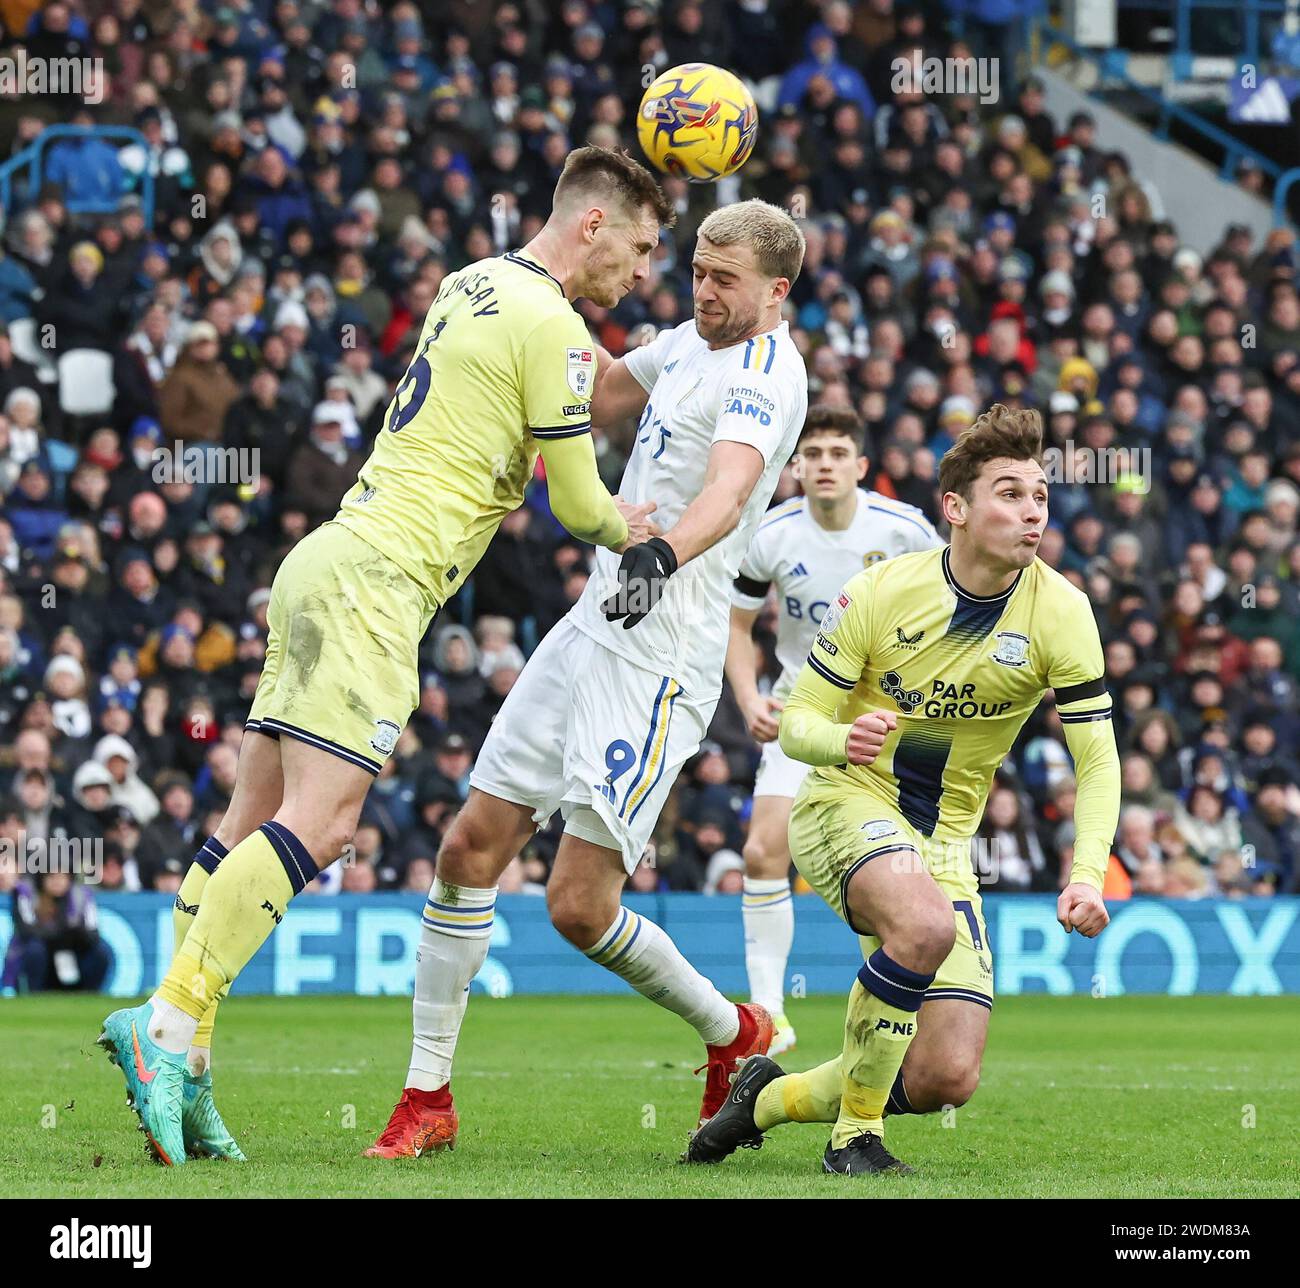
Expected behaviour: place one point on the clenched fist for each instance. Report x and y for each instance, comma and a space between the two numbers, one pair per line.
1080, 908
868, 735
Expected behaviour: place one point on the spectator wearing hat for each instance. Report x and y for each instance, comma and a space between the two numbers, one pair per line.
127, 789
81, 307
322, 469
196, 394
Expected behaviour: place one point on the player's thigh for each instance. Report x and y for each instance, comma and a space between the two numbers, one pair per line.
767, 851
521, 761
485, 835
864, 859
778, 774
259, 788
629, 734
323, 796
345, 627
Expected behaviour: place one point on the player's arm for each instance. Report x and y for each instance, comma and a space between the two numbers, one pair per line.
733, 472
810, 728
557, 386
619, 394
580, 501
748, 593
1078, 676
761, 711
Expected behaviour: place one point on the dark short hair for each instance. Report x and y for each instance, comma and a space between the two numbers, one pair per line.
825, 419
997, 433
604, 173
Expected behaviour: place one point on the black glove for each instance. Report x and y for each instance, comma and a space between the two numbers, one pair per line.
641, 577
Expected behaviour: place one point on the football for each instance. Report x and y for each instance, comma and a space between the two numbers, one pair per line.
697, 122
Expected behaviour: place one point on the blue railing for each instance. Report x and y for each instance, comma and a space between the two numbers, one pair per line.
33, 157
1110, 64
1250, 12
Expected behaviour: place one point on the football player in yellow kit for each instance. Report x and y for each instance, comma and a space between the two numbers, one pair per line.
921, 675
504, 370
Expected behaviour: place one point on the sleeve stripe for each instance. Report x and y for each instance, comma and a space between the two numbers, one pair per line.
748, 586
827, 674
1083, 717
1076, 692
561, 431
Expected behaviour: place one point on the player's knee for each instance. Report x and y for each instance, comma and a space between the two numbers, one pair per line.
573, 913
954, 1084
925, 940
466, 856
756, 858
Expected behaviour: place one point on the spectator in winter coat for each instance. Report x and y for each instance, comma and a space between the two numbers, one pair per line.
120, 759
56, 943
323, 468
195, 396
81, 306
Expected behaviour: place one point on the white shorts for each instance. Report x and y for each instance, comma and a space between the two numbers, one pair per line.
778, 774
589, 733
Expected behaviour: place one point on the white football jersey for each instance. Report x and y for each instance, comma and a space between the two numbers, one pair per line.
754, 392
809, 565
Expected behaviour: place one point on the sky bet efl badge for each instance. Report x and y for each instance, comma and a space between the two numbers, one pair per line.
831, 617
582, 371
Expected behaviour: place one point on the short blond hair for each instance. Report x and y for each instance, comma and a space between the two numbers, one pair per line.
777, 243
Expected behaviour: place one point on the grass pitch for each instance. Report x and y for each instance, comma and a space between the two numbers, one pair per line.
1123, 1097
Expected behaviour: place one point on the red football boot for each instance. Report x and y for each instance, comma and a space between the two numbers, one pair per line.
422, 1123
754, 1038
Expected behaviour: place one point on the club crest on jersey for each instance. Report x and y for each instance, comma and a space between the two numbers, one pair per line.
385, 738
906, 640
873, 556
878, 829
1012, 649
831, 617
581, 371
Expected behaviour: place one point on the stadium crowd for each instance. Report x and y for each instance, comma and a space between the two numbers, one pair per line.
319, 167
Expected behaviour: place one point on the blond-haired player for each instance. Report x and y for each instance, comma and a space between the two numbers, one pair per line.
504, 369
920, 677
620, 692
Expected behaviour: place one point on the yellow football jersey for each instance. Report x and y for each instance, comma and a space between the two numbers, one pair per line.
503, 363
963, 673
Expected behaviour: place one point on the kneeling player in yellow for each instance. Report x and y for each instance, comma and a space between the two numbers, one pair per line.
922, 674
504, 370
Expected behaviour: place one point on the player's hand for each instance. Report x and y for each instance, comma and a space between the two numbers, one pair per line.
762, 717
1080, 908
868, 735
639, 526
641, 579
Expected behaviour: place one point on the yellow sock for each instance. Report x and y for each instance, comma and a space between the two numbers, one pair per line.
810, 1097
183, 914
243, 901
878, 1029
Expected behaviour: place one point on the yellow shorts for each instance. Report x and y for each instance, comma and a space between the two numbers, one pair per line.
834, 830
342, 669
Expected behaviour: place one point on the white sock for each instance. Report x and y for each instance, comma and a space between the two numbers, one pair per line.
638, 951
768, 911
454, 935
170, 1027
199, 1060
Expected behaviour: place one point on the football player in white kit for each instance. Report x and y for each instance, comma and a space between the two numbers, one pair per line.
807, 547
619, 694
